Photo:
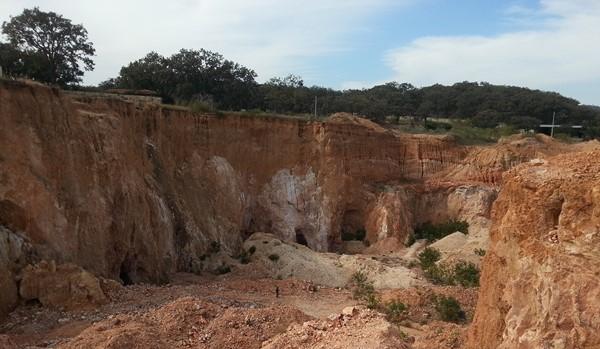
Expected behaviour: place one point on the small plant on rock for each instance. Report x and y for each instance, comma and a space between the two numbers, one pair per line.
479, 252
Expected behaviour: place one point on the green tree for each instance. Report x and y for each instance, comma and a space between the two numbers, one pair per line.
191, 75
53, 41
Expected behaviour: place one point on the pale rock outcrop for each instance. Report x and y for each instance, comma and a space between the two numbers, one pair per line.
283, 259
295, 208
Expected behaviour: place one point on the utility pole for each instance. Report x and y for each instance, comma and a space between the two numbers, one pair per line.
552, 129
315, 107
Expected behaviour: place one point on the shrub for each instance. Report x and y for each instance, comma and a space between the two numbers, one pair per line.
449, 309
440, 274
274, 257
434, 125
223, 269
463, 273
428, 257
363, 290
433, 232
252, 249
395, 311
466, 274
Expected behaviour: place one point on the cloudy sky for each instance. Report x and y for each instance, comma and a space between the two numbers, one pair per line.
545, 44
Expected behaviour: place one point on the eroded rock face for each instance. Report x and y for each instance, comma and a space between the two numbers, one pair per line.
540, 285
137, 192
61, 286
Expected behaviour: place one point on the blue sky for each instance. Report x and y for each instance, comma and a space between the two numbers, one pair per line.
545, 44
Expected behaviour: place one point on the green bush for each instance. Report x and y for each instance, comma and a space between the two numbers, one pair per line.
440, 275
434, 125
363, 290
449, 309
395, 311
428, 257
274, 257
433, 232
463, 273
479, 252
466, 274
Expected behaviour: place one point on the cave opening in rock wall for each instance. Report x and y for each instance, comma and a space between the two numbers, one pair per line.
125, 273
300, 238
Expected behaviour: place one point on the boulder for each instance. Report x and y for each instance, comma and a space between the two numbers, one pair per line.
64, 286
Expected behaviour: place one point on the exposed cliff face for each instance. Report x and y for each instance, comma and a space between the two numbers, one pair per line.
137, 192
540, 284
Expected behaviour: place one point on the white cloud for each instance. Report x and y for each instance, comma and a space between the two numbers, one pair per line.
274, 37
560, 51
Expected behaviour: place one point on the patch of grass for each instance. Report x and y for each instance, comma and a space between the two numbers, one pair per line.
433, 232
428, 257
449, 309
274, 257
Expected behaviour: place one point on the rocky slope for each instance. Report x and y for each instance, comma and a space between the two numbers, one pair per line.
540, 285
